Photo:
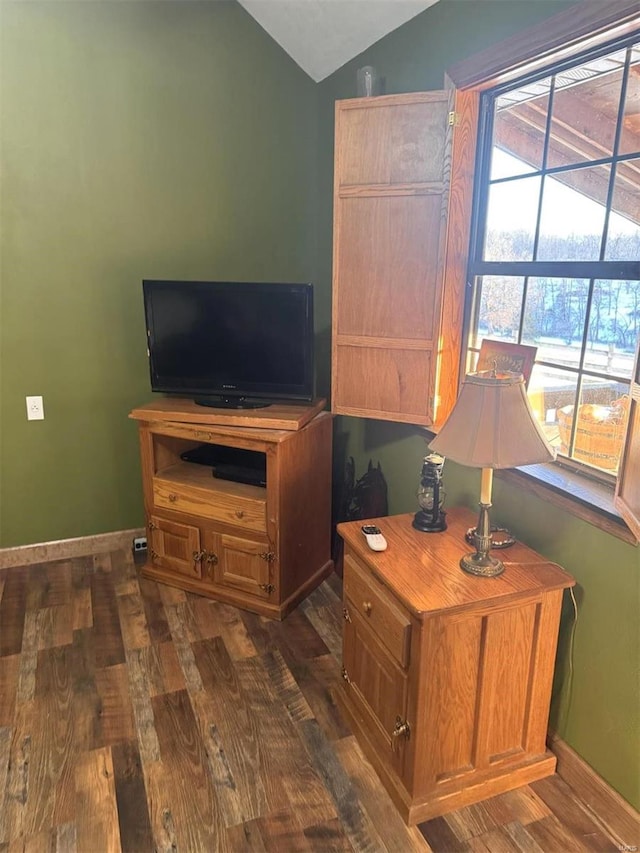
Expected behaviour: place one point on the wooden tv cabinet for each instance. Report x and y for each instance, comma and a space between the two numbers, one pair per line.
261, 548
447, 676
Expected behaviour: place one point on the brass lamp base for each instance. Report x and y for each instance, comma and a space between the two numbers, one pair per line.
482, 563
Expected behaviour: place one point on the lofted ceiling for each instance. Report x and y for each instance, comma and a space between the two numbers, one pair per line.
321, 35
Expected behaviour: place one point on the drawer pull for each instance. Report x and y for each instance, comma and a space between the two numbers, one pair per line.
173, 498
401, 729
345, 675
367, 607
267, 587
239, 513
269, 556
346, 615
203, 436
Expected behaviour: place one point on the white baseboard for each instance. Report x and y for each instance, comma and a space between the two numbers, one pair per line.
65, 549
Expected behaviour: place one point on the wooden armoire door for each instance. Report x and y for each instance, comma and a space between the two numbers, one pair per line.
391, 196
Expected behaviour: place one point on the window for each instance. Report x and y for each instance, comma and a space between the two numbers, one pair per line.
555, 249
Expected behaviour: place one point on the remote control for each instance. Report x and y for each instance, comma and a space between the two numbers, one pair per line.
375, 539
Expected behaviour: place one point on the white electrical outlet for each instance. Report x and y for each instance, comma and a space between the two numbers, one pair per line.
35, 409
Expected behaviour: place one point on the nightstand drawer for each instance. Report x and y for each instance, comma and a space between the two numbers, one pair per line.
389, 621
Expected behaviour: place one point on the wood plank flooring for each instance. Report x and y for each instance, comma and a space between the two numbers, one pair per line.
137, 717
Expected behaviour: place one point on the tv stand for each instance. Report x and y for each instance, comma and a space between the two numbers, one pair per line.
262, 548
230, 403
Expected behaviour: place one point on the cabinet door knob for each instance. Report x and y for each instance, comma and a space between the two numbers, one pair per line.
401, 729
367, 607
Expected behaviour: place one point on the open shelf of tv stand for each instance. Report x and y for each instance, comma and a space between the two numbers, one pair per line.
262, 548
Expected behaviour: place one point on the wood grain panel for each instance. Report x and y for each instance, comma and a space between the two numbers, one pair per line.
12, 612
226, 718
506, 682
383, 814
55, 626
452, 671
156, 619
109, 648
97, 813
219, 500
456, 253
9, 669
382, 141
133, 621
391, 183
241, 566
162, 668
388, 621
194, 807
356, 822
385, 243
131, 799
116, 721
174, 546
401, 377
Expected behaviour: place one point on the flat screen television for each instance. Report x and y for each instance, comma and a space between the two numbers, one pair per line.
230, 344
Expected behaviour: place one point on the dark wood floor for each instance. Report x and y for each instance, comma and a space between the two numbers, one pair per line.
137, 717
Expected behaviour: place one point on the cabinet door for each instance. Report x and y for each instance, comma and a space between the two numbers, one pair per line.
243, 564
392, 170
175, 546
378, 687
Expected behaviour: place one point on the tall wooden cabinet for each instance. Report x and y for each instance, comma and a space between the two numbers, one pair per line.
396, 332
260, 547
447, 676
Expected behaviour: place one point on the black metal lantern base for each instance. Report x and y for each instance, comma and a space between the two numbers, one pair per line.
426, 522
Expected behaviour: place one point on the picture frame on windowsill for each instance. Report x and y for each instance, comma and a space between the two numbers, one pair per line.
505, 356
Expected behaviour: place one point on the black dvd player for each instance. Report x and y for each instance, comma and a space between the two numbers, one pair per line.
241, 474
231, 463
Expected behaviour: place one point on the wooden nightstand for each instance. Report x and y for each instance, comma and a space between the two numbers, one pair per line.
446, 676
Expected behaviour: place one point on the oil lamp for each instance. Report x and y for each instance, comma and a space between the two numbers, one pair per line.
430, 494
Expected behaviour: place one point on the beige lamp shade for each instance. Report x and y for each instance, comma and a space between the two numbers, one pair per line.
492, 425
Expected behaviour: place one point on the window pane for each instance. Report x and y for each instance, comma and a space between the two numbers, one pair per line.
623, 233
614, 327
573, 212
499, 308
554, 318
585, 109
518, 130
599, 433
630, 137
511, 220
549, 392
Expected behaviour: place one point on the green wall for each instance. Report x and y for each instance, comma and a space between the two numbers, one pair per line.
596, 704
139, 139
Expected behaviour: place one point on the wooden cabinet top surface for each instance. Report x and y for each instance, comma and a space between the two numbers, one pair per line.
286, 417
422, 569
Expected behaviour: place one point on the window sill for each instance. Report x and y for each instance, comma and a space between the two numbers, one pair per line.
586, 499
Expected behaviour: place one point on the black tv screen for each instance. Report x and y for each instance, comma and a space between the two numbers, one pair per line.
231, 344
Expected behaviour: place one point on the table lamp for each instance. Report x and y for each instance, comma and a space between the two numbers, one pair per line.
492, 425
